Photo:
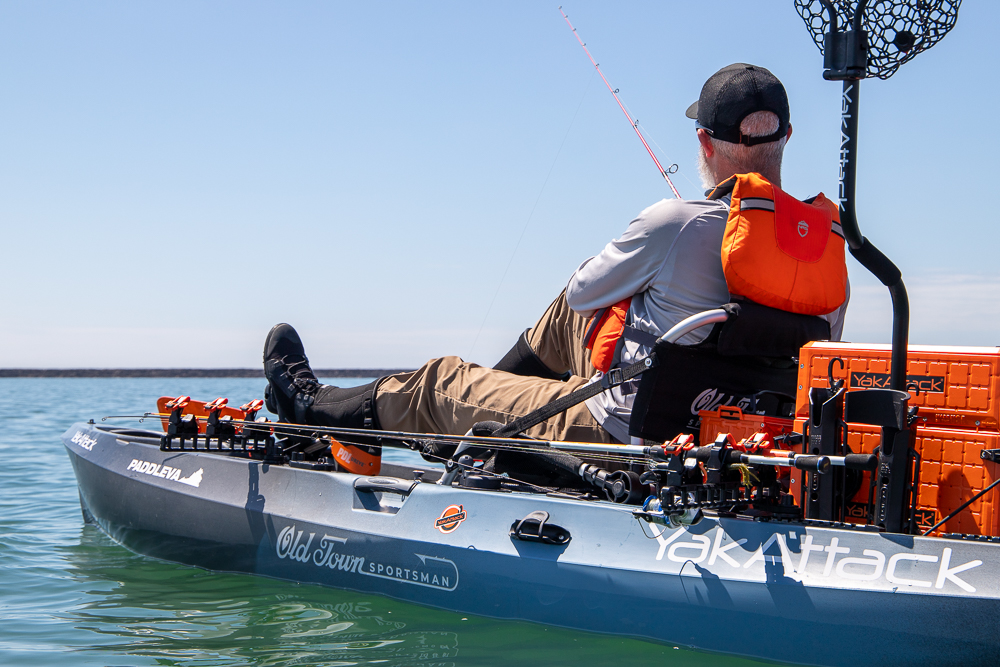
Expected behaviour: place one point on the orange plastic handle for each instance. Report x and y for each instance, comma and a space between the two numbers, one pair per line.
730, 412
354, 459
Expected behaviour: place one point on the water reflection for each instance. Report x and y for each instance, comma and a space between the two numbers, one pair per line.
68, 590
178, 615
183, 615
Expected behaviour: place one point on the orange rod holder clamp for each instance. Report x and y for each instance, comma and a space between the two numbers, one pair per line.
178, 403
251, 409
217, 404
179, 426
219, 426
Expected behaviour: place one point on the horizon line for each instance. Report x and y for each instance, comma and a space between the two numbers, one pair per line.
188, 372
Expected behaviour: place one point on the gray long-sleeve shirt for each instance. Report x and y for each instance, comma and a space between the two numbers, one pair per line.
670, 256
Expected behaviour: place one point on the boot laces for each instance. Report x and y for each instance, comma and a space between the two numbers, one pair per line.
301, 374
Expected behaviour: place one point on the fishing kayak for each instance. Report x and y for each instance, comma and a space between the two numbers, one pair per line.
766, 544
778, 590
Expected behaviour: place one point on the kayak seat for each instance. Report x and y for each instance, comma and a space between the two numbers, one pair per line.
749, 361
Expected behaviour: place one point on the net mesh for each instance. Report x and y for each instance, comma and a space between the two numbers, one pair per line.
897, 29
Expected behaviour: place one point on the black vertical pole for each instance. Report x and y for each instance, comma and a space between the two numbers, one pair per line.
849, 102
867, 254
893, 474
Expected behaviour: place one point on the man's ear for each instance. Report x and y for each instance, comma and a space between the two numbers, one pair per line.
706, 142
789, 135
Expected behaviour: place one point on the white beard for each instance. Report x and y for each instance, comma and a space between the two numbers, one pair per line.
707, 177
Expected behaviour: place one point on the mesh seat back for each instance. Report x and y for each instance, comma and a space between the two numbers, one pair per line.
686, 380
751, 353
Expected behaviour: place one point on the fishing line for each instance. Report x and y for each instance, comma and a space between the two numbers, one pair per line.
586, 89
479, 471
635, 125
694, 185
673, 167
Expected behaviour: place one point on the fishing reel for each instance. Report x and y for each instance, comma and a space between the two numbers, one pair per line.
621, 486
726, 476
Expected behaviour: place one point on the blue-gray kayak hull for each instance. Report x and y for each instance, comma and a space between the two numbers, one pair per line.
775, 590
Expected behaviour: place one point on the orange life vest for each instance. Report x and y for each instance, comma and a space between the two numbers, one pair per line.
603, 333
776, 250
782, 252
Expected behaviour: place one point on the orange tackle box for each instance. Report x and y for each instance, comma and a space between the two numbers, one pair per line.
957, 393
959, 387
732, 420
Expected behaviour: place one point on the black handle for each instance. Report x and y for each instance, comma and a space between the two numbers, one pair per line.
820, 464
861, 461
535, 528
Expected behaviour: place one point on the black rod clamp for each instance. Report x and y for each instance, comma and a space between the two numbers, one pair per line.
990, 455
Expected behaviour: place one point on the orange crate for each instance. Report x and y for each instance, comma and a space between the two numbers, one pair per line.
951, 472
738, 424
960, 386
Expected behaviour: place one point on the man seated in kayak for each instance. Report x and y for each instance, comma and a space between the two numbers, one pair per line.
668, 260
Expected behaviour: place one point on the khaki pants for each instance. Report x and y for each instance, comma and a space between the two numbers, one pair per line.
448, 395
557, 339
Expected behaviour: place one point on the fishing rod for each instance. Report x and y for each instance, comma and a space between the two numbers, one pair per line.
635, 125
617, 452
618, 486
508, 443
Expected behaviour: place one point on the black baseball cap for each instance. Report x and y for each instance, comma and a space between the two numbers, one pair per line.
732, 94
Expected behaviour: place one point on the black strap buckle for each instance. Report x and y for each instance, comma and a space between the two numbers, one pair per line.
368, 411
613, 378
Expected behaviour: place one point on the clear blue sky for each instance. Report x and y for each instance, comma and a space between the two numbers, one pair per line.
177, 177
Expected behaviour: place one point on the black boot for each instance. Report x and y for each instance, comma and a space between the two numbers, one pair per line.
296, 396
291, 382
522, 360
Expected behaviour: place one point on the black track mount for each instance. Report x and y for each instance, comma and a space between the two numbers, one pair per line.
860, 39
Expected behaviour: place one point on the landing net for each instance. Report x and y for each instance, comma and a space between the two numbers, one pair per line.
897, 29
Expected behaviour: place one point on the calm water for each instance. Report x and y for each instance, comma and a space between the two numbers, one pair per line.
70, 595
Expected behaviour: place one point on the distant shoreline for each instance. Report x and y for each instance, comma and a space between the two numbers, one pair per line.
185, 372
